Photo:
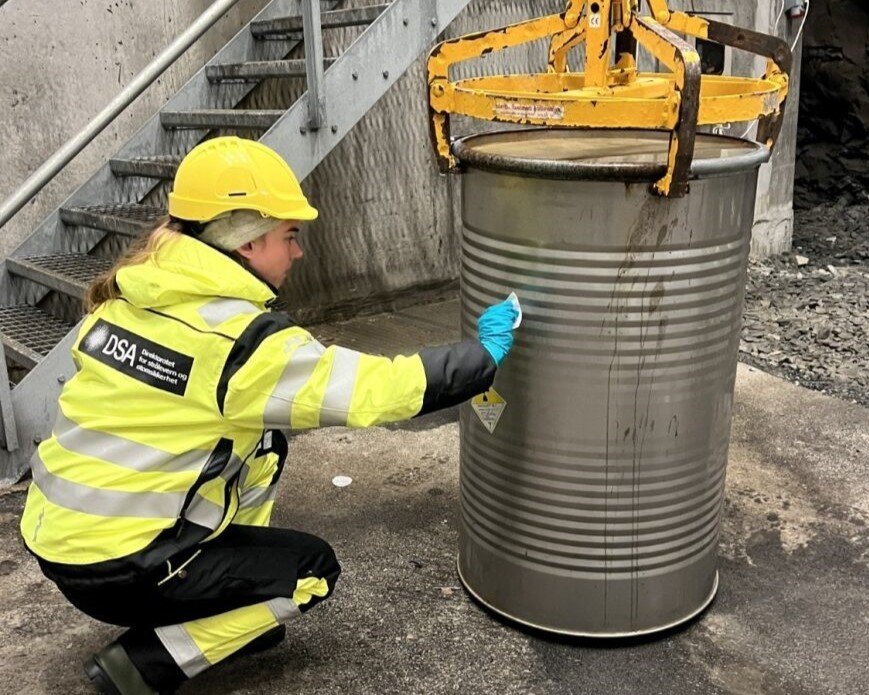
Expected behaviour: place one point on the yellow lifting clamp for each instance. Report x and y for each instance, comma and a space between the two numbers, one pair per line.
611, 93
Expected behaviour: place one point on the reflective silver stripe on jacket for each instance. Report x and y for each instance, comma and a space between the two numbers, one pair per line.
121, 503
183, 649
298, 371
256, 496
111, 503
123, 452
339, 390
204, 512
219, 310
283, 609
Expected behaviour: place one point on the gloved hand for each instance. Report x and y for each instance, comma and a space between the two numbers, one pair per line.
495, 329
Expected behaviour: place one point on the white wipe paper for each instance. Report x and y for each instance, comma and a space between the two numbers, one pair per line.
515, 300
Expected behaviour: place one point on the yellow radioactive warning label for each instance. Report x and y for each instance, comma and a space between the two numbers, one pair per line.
489, 406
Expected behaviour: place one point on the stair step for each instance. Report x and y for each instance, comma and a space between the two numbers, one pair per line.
128, 219
70, 273
161, 166
29, 334
352, 17
220, 118
259, 70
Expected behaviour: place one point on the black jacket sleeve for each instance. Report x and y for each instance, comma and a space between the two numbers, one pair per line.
455, 373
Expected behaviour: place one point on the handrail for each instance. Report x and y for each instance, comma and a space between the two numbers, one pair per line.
50, 168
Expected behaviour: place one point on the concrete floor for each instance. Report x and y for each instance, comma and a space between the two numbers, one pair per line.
791, 617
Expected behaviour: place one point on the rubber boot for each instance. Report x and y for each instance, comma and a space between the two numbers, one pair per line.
112, 673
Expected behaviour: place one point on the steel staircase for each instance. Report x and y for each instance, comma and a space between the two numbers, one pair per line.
256, 86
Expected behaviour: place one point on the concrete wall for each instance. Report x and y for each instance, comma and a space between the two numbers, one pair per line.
774, 213
388, 217
61, 63
774, 217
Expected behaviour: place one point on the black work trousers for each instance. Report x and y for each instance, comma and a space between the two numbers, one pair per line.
211, 601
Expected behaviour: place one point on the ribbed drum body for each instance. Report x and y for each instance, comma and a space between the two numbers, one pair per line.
593, 508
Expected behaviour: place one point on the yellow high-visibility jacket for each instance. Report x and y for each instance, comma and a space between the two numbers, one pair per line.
182, 390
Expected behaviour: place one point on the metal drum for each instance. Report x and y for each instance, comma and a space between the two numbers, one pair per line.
592, 480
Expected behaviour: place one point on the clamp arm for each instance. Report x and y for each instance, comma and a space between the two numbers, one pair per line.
775, 50
465, 48
684, 61
611, 93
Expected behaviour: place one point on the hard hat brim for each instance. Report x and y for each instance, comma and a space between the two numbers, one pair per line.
305, 214
204, 211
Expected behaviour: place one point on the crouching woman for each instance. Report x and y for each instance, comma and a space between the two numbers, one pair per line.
150, 502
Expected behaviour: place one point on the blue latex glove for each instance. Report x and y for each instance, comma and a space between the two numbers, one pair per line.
495, 329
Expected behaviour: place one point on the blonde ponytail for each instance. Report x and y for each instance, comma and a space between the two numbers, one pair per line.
105, 286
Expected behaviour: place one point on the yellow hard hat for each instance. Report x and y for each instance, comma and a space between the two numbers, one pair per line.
229, 173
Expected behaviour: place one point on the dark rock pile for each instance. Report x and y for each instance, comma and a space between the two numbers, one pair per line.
833, 131
807, 312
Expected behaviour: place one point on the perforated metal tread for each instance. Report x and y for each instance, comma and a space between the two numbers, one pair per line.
70, 273
129, 219
220, 118
162, 166
334, 19
259, 70
29, 334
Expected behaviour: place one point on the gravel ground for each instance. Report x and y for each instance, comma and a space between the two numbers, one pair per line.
807, 312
